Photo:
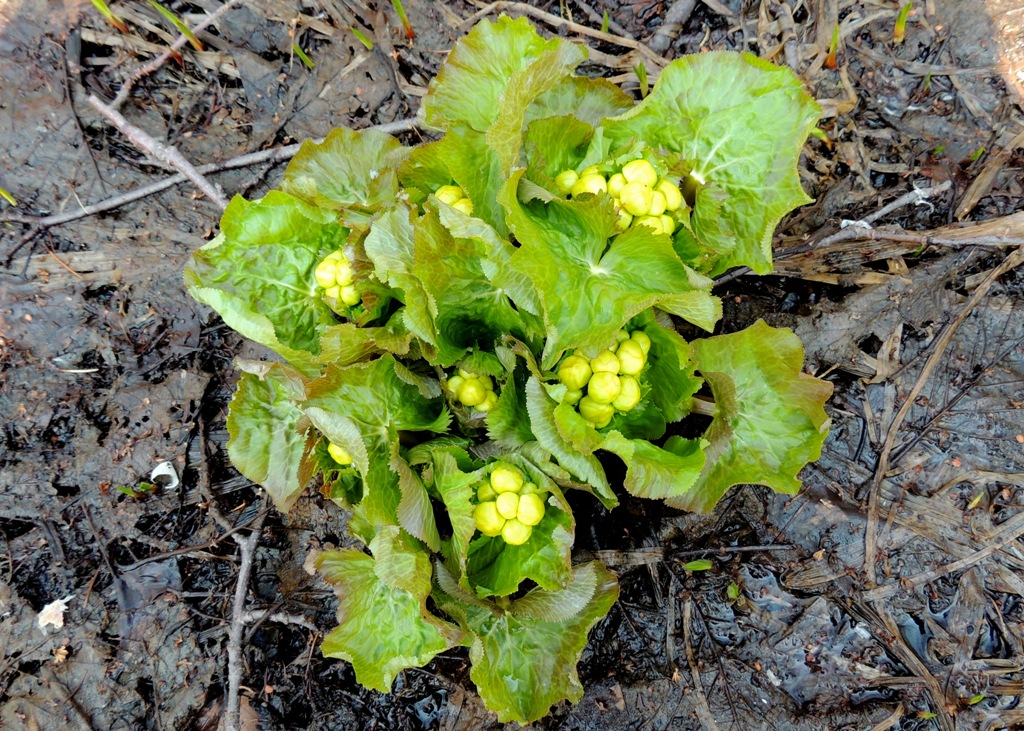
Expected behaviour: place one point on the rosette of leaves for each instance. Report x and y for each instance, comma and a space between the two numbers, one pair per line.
507, 284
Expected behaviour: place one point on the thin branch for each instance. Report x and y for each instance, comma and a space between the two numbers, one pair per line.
247, 549
1014, 260
159, 151
272, 155
701, 699
156, 63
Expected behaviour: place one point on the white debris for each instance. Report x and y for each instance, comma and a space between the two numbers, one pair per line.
165, 476
53, 613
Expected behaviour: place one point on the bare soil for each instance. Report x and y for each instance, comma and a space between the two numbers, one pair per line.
108, 369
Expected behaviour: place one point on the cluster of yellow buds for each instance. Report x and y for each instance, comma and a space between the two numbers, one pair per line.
454, 196
610, 379
508, 506
473, 390
641, 199
337, 278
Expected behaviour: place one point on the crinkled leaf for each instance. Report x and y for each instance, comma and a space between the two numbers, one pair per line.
770, 419
415, 513
353, 171
554, 145
656, 472
521, 664
585, 467
383, 623
469, 311
589, 289
390, 246
470, 87
259, 274
373, 398
739, 123
588, 100
508, 423
457, 489
266, 444
345, 343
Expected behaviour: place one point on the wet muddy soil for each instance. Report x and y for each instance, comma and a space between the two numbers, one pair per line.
108, 369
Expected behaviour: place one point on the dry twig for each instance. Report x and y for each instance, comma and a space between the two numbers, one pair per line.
703, 709
247, 549
276, 154
159, 151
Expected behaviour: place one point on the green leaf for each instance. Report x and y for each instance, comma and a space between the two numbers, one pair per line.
770, 419
258, 275
457, 489
379, 404
415, 513
656, 472
352, 171
522, 665
586, 467
383, 623
469, 311
554, 145
345, 344
508, 423
267, 444
701, 564
390, 246
589, 289
588, 100
739, 124
471, 86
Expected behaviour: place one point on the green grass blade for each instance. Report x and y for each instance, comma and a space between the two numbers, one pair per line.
179, 24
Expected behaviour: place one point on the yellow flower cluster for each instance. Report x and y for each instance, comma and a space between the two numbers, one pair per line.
641, 199
454, 196
473, 390
610, 379
508, 506
337, 278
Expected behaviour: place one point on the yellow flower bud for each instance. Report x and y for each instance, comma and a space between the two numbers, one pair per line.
668, 224
516, 533
606, 361
597, 414
488, 521
455, 383
635, 198
640, 171
339, 454
449, 194
621, 336
489, 402
625, 218
508, 504
615, 184
673, 196
629, 394
574, 372
651, 222
657, 204
350, 295
485, 492
631, 358
472, 392
565, 180
506, 478
591, 170
642, 339
531, 509
603, 388
572, 396
593, 183
464, 205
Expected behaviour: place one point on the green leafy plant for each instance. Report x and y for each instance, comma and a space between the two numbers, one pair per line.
472, 327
